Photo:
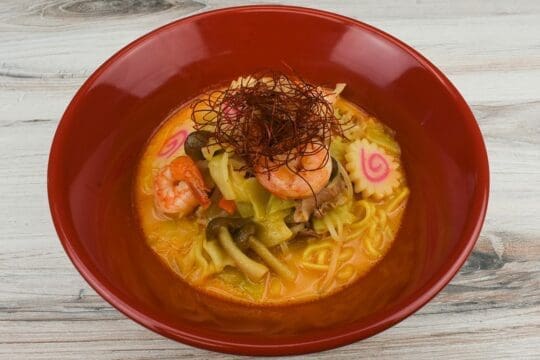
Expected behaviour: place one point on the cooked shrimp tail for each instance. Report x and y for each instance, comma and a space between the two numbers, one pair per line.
179, 188
183, 168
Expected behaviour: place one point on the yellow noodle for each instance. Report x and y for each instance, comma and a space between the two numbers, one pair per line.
345, 272
353, 235
332, 267
312, 266
369, 249
346, 254
322, 257
311, 248
369, 211
319, 252
397, 200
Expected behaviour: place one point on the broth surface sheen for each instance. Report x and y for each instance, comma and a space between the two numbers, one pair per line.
321, 265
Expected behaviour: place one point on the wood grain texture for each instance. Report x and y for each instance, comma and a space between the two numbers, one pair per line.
490, 50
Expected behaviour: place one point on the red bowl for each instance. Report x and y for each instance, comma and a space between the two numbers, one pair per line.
101, 135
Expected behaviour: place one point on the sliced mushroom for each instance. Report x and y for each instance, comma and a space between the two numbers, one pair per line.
237, 234
195, 142
220, 228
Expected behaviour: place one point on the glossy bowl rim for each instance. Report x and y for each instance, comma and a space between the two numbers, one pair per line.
282, 347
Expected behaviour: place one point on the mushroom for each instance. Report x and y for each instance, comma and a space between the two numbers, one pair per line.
243, 237
246, 235
195, 142
220, 228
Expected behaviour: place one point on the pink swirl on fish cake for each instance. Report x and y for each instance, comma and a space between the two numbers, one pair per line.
375, 167
173, 143
229, 111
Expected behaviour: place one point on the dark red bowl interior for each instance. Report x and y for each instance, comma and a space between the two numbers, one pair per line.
104, 129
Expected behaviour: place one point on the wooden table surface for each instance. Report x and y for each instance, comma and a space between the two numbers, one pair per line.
489, 49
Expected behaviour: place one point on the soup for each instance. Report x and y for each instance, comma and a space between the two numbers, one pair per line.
271, 191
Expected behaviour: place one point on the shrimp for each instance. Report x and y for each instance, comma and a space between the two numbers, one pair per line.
301, 178
179, 187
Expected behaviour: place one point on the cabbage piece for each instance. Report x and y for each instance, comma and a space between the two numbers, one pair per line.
247, 193
238, 178
233, 186
196, 260
276, 204
257, 196
219, 170
273, 230
245, 209
234, 278
334, 220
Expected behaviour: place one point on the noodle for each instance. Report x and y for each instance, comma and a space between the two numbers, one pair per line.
312, 248
345, 272
323, 256
398, 200
369, 247
319, 253
359, 228
369, 211
346, 254
332, 267
312, 266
